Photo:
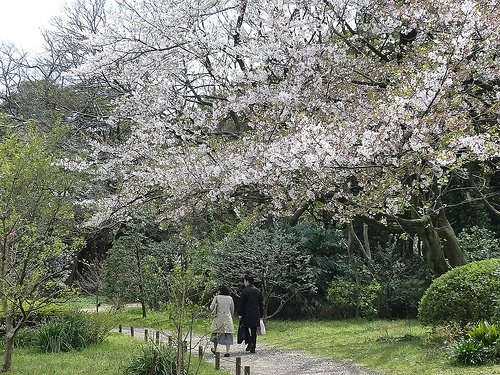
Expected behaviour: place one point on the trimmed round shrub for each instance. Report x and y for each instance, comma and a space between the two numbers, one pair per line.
464, 294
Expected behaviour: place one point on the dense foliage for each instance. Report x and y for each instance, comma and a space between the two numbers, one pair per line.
135, 269
479, 243
465, 294
273, 256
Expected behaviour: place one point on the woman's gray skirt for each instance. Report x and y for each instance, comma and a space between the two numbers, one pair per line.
222, 338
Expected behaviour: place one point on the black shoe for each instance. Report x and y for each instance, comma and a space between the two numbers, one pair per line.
248, 348
252, 350
227, 354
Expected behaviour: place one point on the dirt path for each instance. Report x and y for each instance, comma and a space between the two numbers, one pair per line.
267, 360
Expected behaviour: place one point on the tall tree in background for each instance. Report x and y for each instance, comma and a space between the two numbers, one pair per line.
37, 237
274, 257
136, 269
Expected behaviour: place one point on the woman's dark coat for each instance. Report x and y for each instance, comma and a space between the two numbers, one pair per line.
251, 306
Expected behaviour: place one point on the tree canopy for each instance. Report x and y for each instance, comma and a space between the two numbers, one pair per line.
363, 108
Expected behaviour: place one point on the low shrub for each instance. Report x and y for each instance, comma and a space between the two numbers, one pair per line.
482, 345
26, 338
74, 331
485, 332
154, 359
98, 326
63, 335
464, 294
469, 352
446, 334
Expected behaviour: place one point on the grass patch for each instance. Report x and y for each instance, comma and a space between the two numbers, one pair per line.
394, 347
108, 358
82, 302
132, 317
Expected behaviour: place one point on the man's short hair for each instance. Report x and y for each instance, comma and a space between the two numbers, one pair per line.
249, 278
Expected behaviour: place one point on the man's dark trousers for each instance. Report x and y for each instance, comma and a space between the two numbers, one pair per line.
251, 337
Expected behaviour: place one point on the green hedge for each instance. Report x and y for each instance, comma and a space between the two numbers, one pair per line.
469, 293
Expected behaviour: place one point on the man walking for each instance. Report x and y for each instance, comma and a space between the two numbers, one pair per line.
250, 311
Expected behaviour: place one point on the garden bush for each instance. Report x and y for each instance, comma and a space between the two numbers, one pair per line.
74, 331
469, 352
404, 277
485, 332
98, 326
349, 298
481, 346
26, 338
62, 335
154, 359
464, 294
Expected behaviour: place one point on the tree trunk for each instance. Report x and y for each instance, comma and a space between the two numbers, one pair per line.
434, 253
180, 334
452, 250
7, 356
354, 266
265, 295
9, 344
365, 251
141, 282
143, 307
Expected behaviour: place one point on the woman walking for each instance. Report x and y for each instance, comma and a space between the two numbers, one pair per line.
222, 326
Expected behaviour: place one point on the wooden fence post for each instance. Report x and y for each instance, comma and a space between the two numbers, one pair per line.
120, 328
217, 360
200, 351
145, 335
132, 331
154, 363
157, 337
185, 346
247, 370
169, 340
238, 365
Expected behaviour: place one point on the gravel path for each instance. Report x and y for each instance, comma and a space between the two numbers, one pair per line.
267, 360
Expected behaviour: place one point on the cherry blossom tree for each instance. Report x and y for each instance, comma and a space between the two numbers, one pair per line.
363, 108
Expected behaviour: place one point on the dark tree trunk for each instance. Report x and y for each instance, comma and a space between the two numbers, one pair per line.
434, 253
452, 250
354, 266
7, 356
9, 343
143, 307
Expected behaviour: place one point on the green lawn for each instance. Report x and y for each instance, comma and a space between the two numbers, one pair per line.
157, 319
393, 347
108, 358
